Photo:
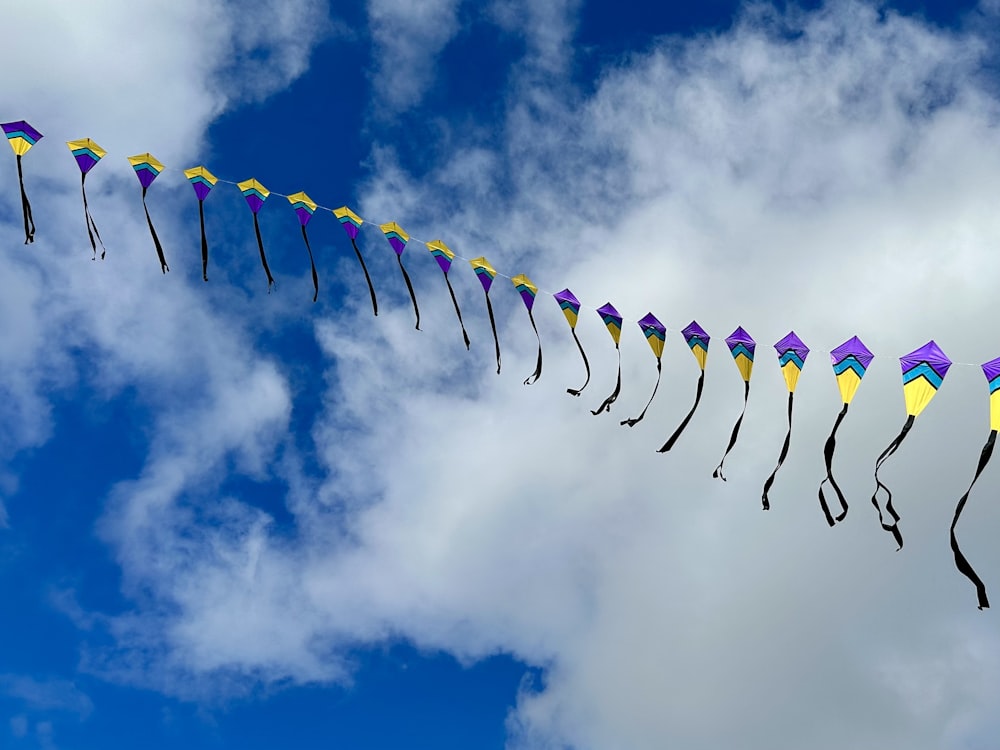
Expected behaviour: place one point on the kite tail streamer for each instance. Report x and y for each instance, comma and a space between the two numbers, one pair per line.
371, 289
717, 474
606, 406
677, 433
831, 444
409, 286
204, 241
91, 226
578, 391
29, 222
533, 377
960, 562
892, 528
312, 264
458, 312
781, 457
493, 327
636, 420
156, 240
263, 257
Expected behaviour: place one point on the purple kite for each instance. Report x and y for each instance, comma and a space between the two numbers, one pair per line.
850, 362
147, 167
924, 370
792, 355
352, 223
87, 154
992, 372
570, 306
21, 137
304, 208
656, 334
741, 346
255, 194
613, 321
697, 340
486, 273
527, 290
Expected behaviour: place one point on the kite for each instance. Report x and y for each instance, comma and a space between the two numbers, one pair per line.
528, 291
924, 370
87, 154
613, 321
444, 256
202, 181
697, 339
570, 306
397, 240
304, 208
656, 334
850, 362
486, 273
992, 372
146, 169
741, 346
21, 137
256, 194
352, 223
792, 355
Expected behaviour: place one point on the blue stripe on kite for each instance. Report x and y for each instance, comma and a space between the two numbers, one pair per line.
480, 271
201, 180
742, 349
87, 151
299, 204
922, 370
651, 332
146, 167
349, 220
522, 289
609, 321
567, 305
850, 362
696, 341
21, 134
995, 384
391, 235
254, 191
793, 358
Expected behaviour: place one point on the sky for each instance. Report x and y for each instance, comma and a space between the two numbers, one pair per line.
230, 516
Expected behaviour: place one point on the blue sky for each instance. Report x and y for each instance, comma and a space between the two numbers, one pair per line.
231, 518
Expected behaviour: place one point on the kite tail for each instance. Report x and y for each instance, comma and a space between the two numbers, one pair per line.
831, 444
960, 562
892, 528
636, 420
677, 433
204, 241
29, 222
263, 257
312, 264
409, 286
781, 457
371, 289
578, 391
493, 326
458, 312
91, 226
606, 406
156, 240
717, 474
533, 377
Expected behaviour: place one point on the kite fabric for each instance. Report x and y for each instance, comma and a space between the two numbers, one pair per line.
792, 355
486, 273
397, 241
255, 195
570, 306
527, 290
352, 223
146, 169
850, 362
87, 154
742, 347
21, 137
613, 321
697, 340
924, 370
444, 257
202, 181
304, 208
991, 370
656, 334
